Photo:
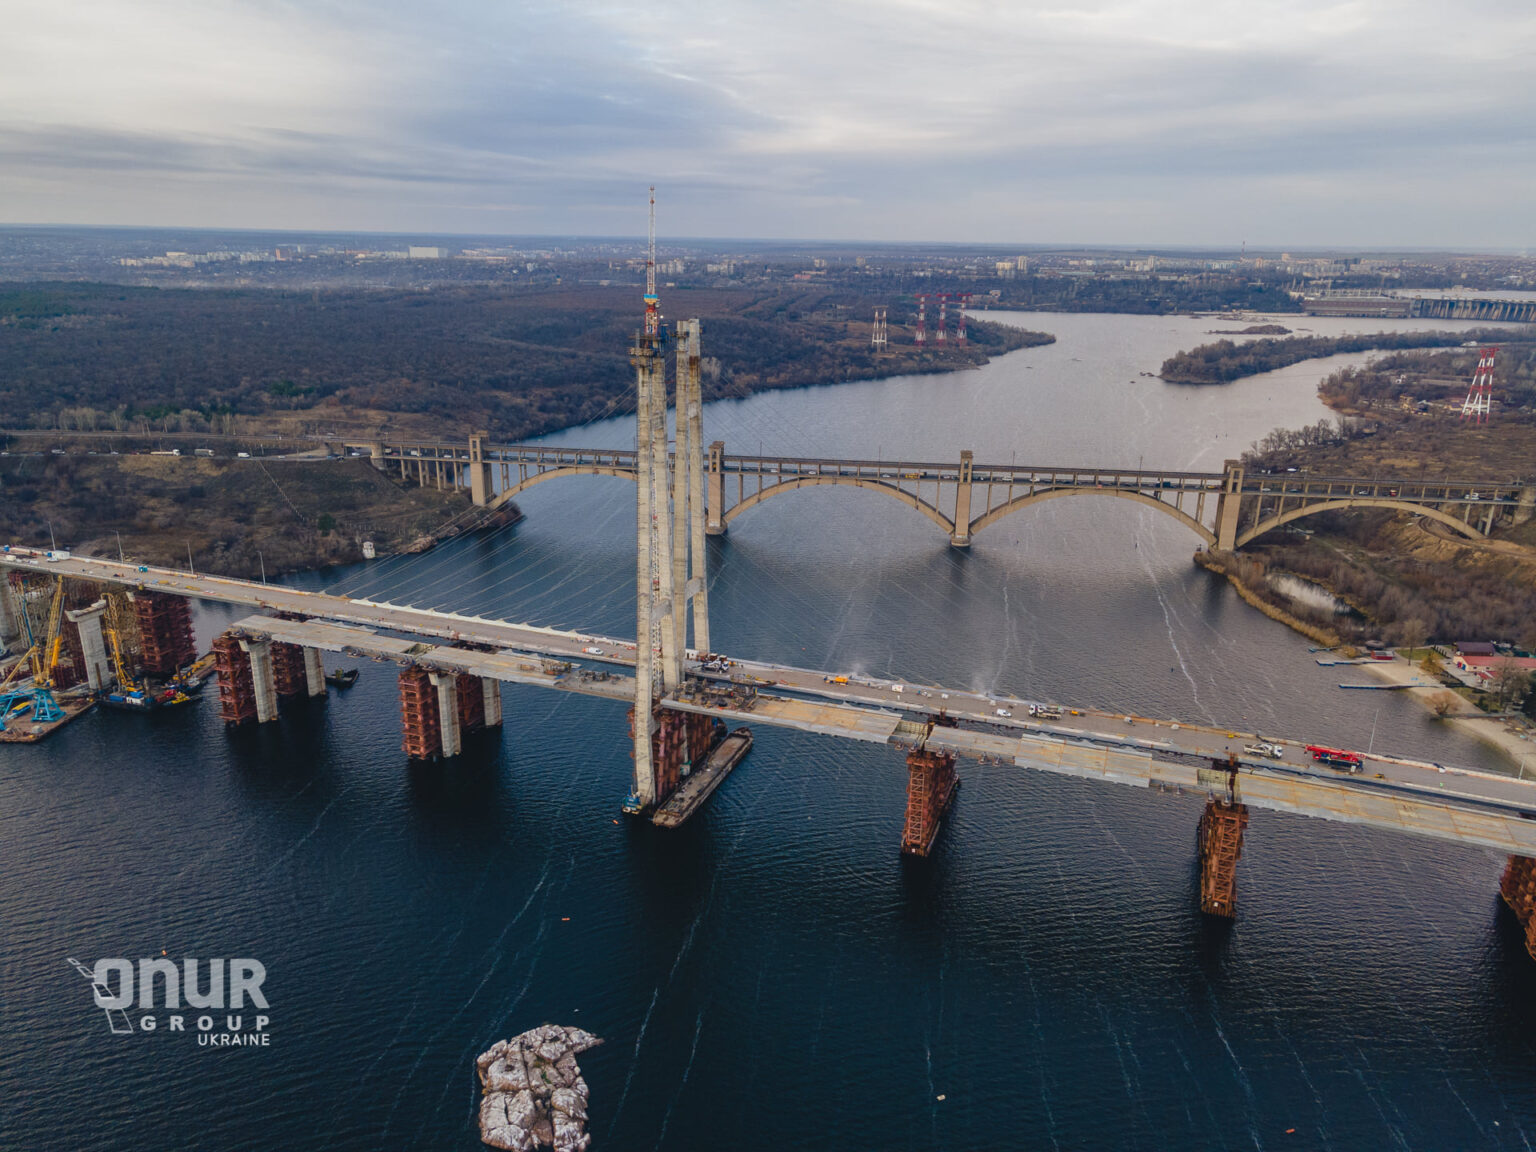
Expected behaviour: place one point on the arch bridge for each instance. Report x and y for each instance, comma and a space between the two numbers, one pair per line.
1225, 510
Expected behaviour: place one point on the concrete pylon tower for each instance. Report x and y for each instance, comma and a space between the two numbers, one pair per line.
669, 537
698, 558
651, 509
688, 556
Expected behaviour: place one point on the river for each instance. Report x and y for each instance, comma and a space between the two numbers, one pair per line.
774, 975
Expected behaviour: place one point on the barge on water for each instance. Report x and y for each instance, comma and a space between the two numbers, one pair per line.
18, 729
702, 782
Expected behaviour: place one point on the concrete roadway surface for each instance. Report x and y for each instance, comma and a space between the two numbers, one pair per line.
976, 710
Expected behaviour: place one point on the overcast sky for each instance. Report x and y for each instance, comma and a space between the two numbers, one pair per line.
1278, 122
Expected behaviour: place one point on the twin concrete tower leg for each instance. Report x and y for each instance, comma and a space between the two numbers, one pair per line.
670, 558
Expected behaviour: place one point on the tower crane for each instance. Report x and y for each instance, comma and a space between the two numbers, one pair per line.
45, 658
116, 626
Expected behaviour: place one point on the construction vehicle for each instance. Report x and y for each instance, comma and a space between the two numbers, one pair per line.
129, 696
42, 657
1336, 757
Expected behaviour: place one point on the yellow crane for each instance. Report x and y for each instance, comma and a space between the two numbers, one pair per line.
117, 627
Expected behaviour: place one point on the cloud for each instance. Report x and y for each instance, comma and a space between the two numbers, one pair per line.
832, 118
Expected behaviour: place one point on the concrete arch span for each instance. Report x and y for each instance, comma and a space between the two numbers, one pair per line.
1274, 522
891, 490
508, 494
1020, 502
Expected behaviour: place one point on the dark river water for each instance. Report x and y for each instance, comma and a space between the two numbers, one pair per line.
775, 975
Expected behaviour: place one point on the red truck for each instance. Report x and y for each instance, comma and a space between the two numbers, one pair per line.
1335, 757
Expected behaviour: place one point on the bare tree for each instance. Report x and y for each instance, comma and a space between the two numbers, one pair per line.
1510, 683
1412, 633
1445, 703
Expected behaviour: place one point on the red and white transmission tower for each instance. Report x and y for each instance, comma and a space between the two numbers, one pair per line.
878, 335
940, 336
1480, 395
962, 302
920, 337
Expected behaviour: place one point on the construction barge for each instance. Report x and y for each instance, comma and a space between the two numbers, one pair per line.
17, 728
702, 782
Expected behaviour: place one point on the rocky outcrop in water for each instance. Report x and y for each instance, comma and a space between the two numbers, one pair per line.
534, 1094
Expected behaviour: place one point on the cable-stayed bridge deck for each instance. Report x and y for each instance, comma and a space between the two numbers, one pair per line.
1394, 793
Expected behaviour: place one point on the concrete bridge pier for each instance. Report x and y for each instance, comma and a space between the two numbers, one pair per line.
480, 486
376, 454
1527, 506
1518, 888
961, 536
93, 645
314, 672
490, 692
714, 524
1229, 505
263, 682
450, 734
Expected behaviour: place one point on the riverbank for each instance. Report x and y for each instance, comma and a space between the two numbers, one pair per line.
1225, 361
1230, 566
248, 518
1512, 737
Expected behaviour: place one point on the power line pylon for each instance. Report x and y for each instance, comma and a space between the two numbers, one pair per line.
1480, 395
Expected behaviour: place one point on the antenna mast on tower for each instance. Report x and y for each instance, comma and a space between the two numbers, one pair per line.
652, 313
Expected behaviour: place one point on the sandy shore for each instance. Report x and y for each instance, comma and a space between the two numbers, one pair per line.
1512, 737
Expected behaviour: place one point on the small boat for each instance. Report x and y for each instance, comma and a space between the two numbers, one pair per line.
341, 677
126, 701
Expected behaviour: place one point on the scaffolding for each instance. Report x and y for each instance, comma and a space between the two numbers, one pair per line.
1220, 839
1518, 888
289, 677
931, 784
419, 722
165, 632
470, 695
237, 687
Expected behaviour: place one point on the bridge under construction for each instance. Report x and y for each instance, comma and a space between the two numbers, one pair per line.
453, 667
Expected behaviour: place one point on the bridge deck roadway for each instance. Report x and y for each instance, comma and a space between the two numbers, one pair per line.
1395, 793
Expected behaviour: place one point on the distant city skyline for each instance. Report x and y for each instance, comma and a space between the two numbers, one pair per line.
1313, 123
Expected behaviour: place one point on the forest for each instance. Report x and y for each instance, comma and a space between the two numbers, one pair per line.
1226, 360
1400, 416
1436, 377
516, 362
